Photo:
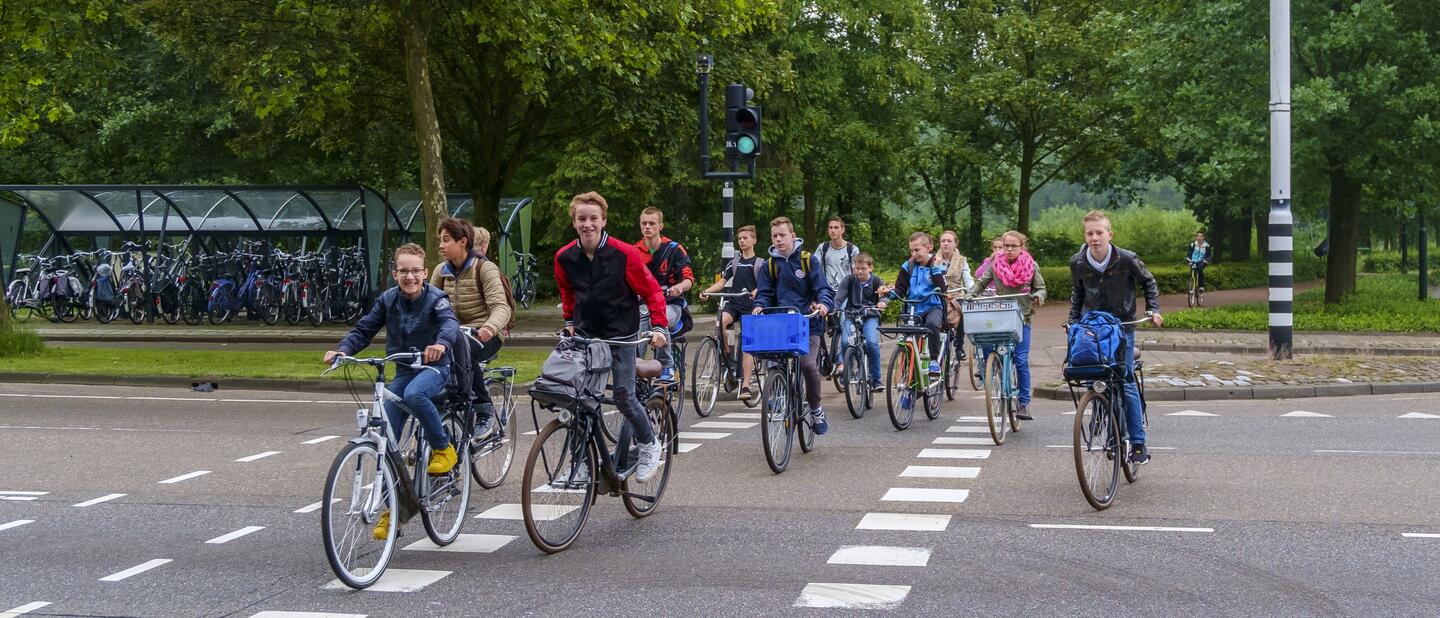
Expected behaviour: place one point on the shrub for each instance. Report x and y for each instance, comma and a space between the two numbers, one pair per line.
1159, 235
16, 341
1389, 262
1385, 303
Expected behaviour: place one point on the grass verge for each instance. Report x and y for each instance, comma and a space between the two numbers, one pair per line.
1381, 303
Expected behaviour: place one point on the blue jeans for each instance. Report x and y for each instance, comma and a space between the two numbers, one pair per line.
1134, 414
871, 330
1020, 355
417, 388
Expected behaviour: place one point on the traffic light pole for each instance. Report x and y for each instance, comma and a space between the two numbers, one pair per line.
1282, 222
727, 201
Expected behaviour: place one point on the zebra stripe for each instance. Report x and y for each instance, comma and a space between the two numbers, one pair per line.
727, 217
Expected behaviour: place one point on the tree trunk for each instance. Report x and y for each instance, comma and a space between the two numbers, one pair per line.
1219, 240
976, 200
1027, 168
414, 16
1239, 233
1344, 228
808, 217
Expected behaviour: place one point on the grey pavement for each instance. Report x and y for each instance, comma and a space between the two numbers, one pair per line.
1248, 509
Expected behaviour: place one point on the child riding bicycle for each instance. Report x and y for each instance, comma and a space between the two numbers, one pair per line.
858, 291
922, 279
1014, 271
794, 278
742, 273
1198, 255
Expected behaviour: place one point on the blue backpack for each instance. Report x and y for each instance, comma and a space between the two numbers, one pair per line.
1094, 340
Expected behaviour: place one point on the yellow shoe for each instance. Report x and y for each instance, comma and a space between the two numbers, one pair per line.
382, 528
443, 461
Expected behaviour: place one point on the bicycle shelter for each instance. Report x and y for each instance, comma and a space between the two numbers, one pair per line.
52, 219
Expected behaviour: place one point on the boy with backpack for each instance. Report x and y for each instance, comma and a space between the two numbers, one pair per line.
482, 300
922, 279
793, 278
670, 265
1104, 278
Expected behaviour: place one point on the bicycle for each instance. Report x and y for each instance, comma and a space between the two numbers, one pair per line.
369, 479
909, 376
859, 391
1196, 295
1100, 426
23, 294
717, 364
524, 278
492, 456
782, 394
996, 322
571, 461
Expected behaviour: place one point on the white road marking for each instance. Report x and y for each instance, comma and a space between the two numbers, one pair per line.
50, 428
968, 429
1152, 448
686, 447
852, 596
170, 399
701, 435
311, 508
543, 512
1418, 415
723, 425
135, 570
467, 543
23, 493
972, 419
184, 477
13, 395
265, 401
1382, 452
1420, 535
915, 522
319, 439
964, 441
75, 396
745, 416
256, 456
23, 609
1305, 414
19, 498
925, 494
282, 614
1133, 528
529, 433
95, 501
226, 538
397, 580
1191, 413
954, 453
880, 555
940, 472
16, 524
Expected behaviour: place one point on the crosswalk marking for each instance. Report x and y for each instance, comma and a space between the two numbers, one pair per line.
963, 441
543, 512
1305, 414
320, 439
1126, 528
686, 447
925, 494
466, 543
851, 596
256, 456
701, 435
14, 612
915, 522
954, 453
226, 538
184, 477
22, 496
95, 501
940, 472
311, 508
1190, 413
397, 580
968, 429
745, 416
1420, 535
281, 614
16, 524
1418, 415
881, 555
135, 570
724, 425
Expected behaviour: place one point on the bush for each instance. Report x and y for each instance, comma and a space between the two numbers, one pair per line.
1159, 235
1389, 262
1383, 303
1175, 279
18, 341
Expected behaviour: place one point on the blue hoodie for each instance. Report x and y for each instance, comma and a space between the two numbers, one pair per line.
794, 287
417, 323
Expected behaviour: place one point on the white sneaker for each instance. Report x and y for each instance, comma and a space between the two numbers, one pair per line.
649, 461
577, 478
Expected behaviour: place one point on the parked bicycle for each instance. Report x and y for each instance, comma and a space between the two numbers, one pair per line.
524, 279
23, 294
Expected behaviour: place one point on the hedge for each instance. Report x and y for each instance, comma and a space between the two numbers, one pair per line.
1381, 303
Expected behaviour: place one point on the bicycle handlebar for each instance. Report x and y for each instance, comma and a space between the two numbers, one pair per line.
416, 360
588, 340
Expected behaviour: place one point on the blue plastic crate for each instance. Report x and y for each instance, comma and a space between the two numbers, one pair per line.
775, 333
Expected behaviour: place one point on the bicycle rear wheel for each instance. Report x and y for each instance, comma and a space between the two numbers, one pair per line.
804, 423
777, 428
192, 304
900, 387
267, 304
994, 403
1012, 403
856, 387
934, 391
448, 495
642, 497
970, 360
953, 367
135, 304
1097, 445
705, 377
359, 488
559, 486
491, 458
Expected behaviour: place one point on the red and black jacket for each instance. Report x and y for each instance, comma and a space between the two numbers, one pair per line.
601, 296
670, 265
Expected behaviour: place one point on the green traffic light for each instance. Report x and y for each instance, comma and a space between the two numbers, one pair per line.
745, 145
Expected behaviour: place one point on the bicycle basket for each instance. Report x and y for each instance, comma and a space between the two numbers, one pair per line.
775, 333
993, 321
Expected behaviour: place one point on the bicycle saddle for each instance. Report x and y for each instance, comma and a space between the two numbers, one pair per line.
648, 368
1137, 354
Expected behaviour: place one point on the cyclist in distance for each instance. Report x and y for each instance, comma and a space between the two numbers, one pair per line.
1198, 254
415, 315
742, 273
1104, 278
477, 296
670, 266
793, 278
601, 284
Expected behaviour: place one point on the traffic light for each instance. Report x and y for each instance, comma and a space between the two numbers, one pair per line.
742, 123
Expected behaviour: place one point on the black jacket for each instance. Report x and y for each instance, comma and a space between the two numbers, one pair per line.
602, 296
1113, 290
409, 323
854, 295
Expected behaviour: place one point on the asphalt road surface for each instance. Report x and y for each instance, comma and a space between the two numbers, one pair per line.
148, 502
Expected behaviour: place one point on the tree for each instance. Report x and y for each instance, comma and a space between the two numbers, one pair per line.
46, 54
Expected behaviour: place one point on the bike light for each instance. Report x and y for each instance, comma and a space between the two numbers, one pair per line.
1099, 386
362, 418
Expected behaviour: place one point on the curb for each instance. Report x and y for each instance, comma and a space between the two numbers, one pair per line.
1260, 350
518, 339
262, 384
1062, 393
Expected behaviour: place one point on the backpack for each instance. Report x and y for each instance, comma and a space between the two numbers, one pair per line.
850, 252
573, 372
804, 265
504, 283
1093, 341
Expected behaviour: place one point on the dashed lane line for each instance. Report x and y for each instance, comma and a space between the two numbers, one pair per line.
135, 570
183, 477
16, 524
319, 439
22, 496
910, 522
851, 596
311, 508
1380, 452
925, 494
881, 555
226, 538
256, 457
1420, 535
95, 501
14, 612
1191, 413
1122, 528
397, 580
1418, 415
1305, 414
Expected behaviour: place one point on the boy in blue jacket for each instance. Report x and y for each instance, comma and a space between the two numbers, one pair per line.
922, 279
795, 278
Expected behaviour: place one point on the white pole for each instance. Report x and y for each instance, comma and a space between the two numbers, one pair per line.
1282, 233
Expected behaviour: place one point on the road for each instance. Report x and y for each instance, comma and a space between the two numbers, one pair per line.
1248, 509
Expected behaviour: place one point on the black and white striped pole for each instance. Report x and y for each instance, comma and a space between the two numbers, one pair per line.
727, 219
1282, 222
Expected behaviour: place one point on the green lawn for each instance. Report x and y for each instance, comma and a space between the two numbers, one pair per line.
1381, 303
303, 365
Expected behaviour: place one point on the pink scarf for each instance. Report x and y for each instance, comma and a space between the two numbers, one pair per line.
1017, 274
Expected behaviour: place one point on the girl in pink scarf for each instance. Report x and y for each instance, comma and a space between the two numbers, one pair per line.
1013, 271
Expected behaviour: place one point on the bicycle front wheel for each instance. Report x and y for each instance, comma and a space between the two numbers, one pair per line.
359, 490
642, 497
804, 423
856, 387
559, 486
953, 367
1097, 450
705, 377
491, 458
447, 498
900, 387
777, 427
994, 399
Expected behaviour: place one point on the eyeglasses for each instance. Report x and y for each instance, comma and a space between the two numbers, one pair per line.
410, 272
1010, 246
